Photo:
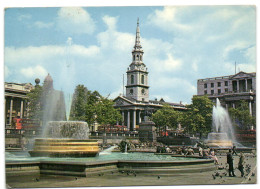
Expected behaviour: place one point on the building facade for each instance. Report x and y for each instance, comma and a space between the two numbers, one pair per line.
16, 101
135, 105
230, 89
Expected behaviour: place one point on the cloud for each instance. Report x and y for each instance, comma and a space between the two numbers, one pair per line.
42, 25
34, 72
167, 19
75, 20
110, 21
34, 54
24, 17
6, 72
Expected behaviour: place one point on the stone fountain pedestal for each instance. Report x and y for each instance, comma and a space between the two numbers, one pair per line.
219, 140
48, 147
65, 139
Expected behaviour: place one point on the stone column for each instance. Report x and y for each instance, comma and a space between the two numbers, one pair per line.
134, 119
237, 85
246, 84
11, 111
250, 107
227, 106
233, 105
21, 111
128, 119
140, 119
123, 117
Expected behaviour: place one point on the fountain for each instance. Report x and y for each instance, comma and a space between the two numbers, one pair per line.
65, 139
223, 133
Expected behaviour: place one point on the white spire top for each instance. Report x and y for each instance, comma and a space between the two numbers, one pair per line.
137, 39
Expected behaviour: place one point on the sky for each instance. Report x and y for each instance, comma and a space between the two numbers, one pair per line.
92, 46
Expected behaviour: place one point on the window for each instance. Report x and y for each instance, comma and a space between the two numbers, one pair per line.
212, 92
219, 84
133, 57
205, 92
132, 79
143, 91
219, 91
226, 83
226, 90
142, 79
141, 58
131, 91
205, 85
212, 84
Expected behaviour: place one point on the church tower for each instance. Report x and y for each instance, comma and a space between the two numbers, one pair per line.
137, 75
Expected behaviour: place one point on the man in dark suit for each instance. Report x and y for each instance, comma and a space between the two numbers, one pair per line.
230, 164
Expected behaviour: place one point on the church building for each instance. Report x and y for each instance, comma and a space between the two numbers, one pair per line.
135, 104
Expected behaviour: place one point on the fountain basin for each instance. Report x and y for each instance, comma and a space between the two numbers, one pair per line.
48, 147
220, 140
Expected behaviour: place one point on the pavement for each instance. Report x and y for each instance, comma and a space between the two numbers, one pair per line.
122, 179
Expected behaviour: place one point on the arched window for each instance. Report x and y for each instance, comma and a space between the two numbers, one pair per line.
143, 91
133, 57
131, 91
132, 79
141, 57
137, 57
142, 79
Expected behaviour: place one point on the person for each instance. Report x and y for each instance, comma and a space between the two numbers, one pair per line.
234, 150
241, 164
213, 156
230, 164
184, 150
200, 151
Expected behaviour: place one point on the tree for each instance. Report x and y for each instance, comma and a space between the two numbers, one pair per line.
241, 116
35, 103
92, 100
198, 118
166, 116
106, 114
78, 107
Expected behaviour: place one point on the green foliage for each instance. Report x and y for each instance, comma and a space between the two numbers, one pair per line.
198, 118
166, 116
35, 103
106, 113
91, 106
241, 115
78, 108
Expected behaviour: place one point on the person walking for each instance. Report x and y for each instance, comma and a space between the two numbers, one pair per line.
241, 164
230, 163
234, 152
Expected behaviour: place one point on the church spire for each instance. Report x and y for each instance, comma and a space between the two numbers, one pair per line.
137, 38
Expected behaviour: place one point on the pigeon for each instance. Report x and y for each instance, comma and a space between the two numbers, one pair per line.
217, 174
134, 174
37, 180
213, 176
158, 177
253, 174
76, 178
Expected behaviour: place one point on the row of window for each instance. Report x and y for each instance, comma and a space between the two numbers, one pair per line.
132, 91
133, 79
218, 84
137, 57
213, 92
